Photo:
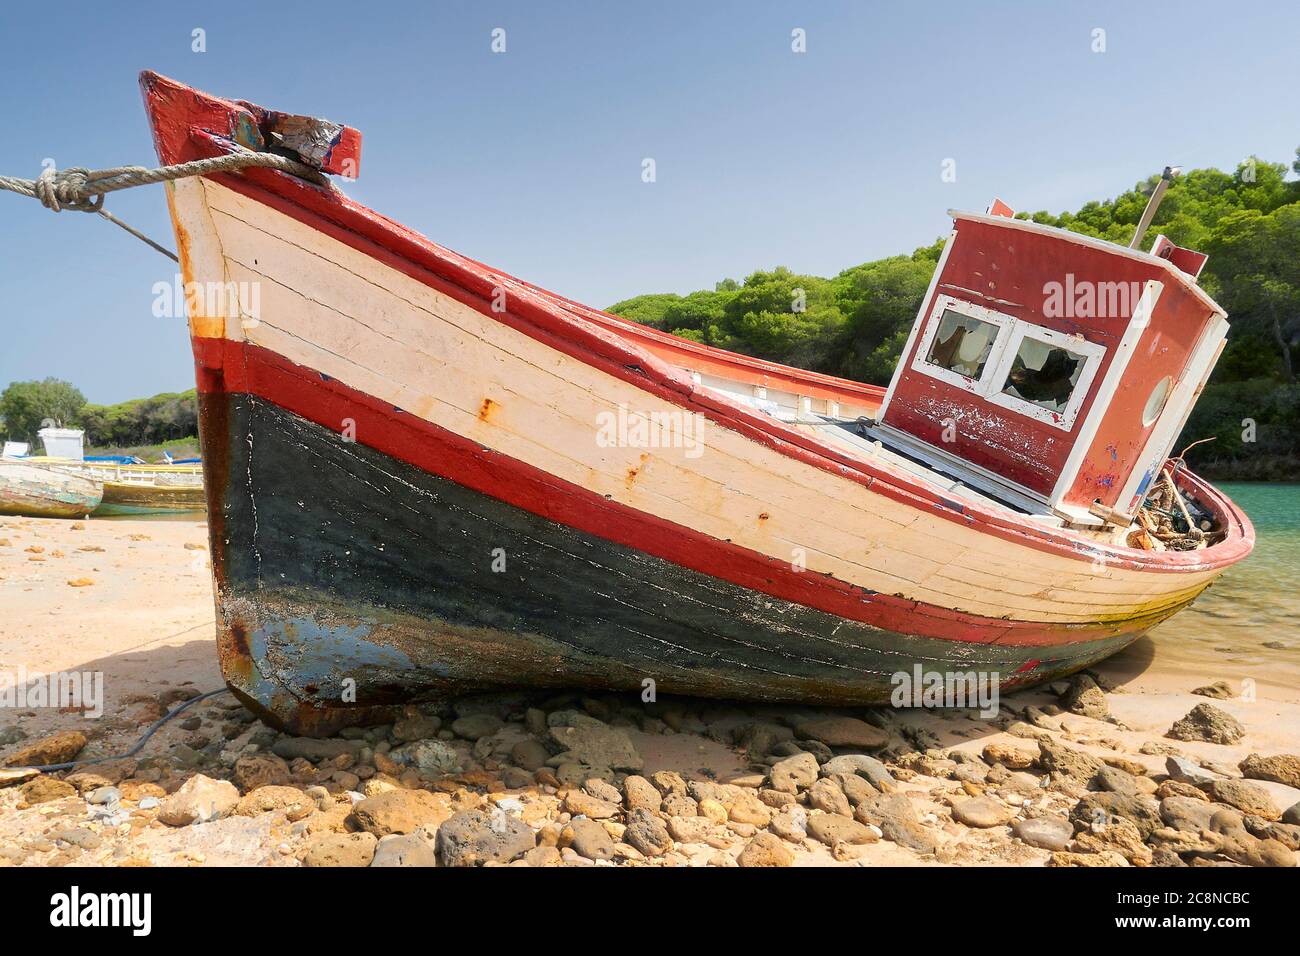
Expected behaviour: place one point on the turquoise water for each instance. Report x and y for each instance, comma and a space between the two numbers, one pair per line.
1256, 601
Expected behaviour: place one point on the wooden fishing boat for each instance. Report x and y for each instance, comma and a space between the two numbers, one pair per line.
139, 489
35, 491
426, 476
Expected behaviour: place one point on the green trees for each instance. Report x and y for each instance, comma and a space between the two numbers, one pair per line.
26, 407
856, 323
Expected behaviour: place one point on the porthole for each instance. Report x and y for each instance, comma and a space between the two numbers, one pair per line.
1156, 403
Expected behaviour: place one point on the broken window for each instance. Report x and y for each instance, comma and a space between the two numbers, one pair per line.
962, 344
1043, 374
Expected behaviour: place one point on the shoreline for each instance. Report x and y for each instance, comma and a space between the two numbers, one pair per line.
602, 779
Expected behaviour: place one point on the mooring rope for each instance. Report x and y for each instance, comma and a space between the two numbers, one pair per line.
83, 190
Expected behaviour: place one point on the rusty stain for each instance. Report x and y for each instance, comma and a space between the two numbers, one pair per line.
485, 410
764, 516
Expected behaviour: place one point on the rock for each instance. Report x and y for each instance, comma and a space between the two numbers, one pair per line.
1114, 780
340, 849
473, 837
10, 777
1219, 690
1056, 757
474, 726
982, 812
401, 812
583, 804
1209, 723
309, 748
748, 808
1120, 835
1097, 809
1085, 698
693, 829
712, 810
869, 768
295, 804
646, 833
835, 731
589, 741
825, 795
1187, 771
1108, 858
530, 754
1280, 768
1292, 815
765, 849
833, 828
43, 789
1013, 758
1186, 813
1047, 833
199, 800
542, 856
640, 794
855, 788
1247, 797
431, 757
759, 738
790, 823
588, 839
404, 849
679, 805
56, 748
104, 796
412, 727
794, 773
260, 770
894, 815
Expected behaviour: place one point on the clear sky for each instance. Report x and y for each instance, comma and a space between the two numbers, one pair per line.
531, 159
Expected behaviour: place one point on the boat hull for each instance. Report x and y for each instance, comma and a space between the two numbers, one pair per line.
350, 582
35, 492
132, 498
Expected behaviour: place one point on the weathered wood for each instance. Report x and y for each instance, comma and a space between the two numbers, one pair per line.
36, 491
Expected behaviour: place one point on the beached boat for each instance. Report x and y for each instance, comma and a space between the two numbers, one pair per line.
426, 476
36, 491
138, 489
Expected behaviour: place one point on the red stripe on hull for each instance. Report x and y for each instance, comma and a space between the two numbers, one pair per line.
327, 402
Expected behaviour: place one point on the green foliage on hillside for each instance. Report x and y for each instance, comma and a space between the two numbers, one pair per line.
24, 406
856, 323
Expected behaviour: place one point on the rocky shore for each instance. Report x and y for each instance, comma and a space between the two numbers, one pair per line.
602, 780
1150, 759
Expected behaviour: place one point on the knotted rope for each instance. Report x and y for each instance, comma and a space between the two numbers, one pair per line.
83, 190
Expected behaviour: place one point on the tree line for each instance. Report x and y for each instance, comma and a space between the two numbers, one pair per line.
855, 324
26, 407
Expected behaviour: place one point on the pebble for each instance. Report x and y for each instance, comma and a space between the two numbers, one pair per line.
982, 812
765, 850
794, 773
588, 839
409, 849
473, 837
340, 849
1045, 832
833, 828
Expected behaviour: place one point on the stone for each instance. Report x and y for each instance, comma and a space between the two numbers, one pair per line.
590, 742
640, 794
833, 828
836, 731
588, 839
679, 805
104, 796
473, 837
340, 849
1186, 813
747, 808
1009, 756
765, 850
415, 726
896, 819
431, 757
693, 829
855, 788
1085, 698
401, 812
1209, 723
647, 833
273, 798
863, 765
794, 773
530, 754
404, 849
310, 748
1279, 768
543, 856
1219, 690
583, 804
603, 790
1114, 780
1119, 835
474, 726
1292, 815
260, 770
1247, 797
56, 748
982, 812
1046, 832
199, 800
1056, 757
43, 789
668, 781
1187, 771
1096, 809
825, 795
1178, 788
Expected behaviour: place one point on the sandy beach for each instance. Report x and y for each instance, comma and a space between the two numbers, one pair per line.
1079, 773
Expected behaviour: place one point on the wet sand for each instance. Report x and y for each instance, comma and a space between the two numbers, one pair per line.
145, 620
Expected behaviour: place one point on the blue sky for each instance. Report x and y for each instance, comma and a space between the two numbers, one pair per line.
531, 159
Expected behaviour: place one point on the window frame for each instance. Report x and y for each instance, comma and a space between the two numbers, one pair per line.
1006, 345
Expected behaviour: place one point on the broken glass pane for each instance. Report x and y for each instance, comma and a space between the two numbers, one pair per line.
1043, 374
962, 344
